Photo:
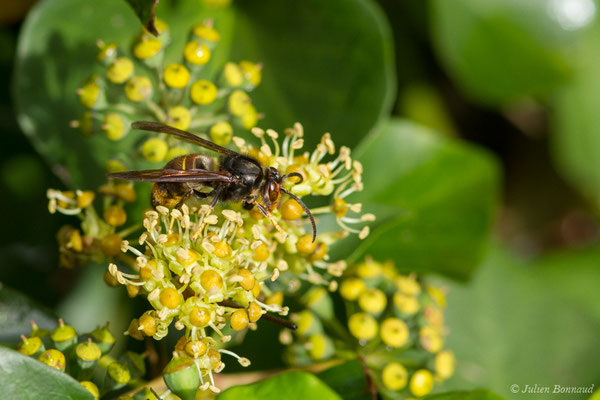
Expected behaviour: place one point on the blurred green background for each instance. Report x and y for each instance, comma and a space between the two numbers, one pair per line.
518, 78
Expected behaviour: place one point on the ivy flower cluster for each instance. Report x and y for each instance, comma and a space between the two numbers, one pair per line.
209, 272
395, 324
192, 94
212, 272
83, 356
98, 236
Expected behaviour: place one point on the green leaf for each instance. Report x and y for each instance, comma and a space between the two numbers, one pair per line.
146, 12
576, 140
472, 395
347, 379
288, 385
16, 312
326, 64
92, 303
25, 378
434, 198
515, 316
501, 50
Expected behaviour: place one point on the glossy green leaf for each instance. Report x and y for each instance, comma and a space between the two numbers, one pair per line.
146, 12
576, 139
472, 395
92, 303
25, 378
434, 198
16, 312
327, 64
501, 50
516, 315
348, 380
288, 385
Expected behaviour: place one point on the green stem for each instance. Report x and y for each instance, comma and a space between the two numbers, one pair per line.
207, 121
159, 114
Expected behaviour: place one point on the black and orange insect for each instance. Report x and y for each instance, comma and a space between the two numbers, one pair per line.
233, 178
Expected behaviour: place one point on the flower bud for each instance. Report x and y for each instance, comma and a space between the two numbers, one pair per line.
351, 288
117, 376
92, 388
421, 383
87, 353
64, 336
181, 377
444, 364
308, 323
103, 338
317, 299
136, 363
362, 326
320, 347
394, 332
221, 133
394, 376
31, 346
176, 76
372, 301
179, 117
53, 358
114, 126
119, 70
203, 92
154, 150
196, 53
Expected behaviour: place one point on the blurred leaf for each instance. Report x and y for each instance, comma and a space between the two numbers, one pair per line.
145, 10
473, 395
20, 169
347, 379
92, 303
16, 312
516, 315
288, 385
500, 50
327, 64
24, 377
434, 199
423, 104
576, 139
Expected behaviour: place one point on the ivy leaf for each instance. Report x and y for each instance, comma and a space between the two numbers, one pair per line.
575, 136
348, 380
502, 50
464, 395
326, 64
288, 385
16, 312
23, 377
434, 198
146, 12
516, 315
